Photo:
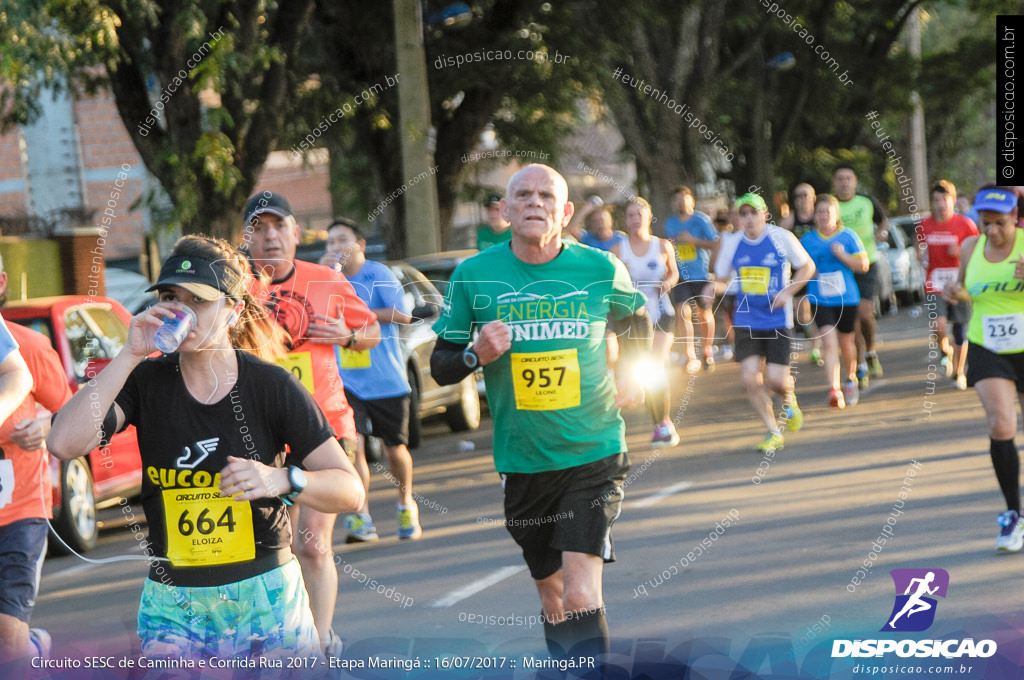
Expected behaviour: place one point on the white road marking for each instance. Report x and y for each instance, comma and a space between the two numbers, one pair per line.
664, 493
476, 586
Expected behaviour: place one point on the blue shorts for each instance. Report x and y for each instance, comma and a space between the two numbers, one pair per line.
22, 549
264, 616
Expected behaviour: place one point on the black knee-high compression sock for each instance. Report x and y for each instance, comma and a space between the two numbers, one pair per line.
587, 633
555, 637
1007, 466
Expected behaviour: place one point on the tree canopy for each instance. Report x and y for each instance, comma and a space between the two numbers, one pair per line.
701, 90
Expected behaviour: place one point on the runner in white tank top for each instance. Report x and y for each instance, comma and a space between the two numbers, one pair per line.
654, 273
647, 272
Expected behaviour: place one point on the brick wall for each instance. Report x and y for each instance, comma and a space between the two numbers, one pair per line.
12, 180
305, 186
106, 151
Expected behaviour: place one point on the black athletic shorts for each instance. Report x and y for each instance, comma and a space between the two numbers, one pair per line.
843, 318
572, 510
984, 363
867, 282
22, 548
684, 291
773, 345
386, 418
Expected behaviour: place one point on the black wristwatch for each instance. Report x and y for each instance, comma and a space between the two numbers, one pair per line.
297, 479
470, 358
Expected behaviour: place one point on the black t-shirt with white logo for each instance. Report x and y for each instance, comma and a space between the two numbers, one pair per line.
185, 444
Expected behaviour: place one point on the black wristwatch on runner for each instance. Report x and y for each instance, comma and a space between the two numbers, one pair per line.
469, 358
297, 479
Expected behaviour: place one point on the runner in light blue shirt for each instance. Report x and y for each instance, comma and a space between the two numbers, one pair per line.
375, 380
693, 235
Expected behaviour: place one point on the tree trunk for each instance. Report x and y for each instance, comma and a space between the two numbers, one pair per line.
667, 86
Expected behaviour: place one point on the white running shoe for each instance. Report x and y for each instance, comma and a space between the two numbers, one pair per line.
1011, 534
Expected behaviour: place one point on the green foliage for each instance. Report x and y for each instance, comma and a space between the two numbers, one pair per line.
216, 153
201, 85
815, 166
36, 54
279, 68
957, 87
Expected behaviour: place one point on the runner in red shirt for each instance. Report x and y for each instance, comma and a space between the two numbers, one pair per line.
319, 309
26, 498
939, 237
23, 433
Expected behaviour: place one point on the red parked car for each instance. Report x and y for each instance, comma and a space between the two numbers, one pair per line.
87, 333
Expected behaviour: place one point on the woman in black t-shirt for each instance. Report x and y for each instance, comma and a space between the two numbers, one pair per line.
214, 423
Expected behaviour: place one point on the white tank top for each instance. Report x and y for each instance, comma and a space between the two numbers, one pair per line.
647, 272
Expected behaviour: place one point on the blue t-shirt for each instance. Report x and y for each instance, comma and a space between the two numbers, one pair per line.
692, 261
592, 241
762, 269
376, 373
7, 341
834, 285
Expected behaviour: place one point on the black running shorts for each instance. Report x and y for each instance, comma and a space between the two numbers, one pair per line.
842, 318
572, 510
774, 346
690, 291
386, 418
984, 363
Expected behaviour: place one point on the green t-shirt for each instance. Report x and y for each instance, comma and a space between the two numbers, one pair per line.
550, 395
858, 214
485, 238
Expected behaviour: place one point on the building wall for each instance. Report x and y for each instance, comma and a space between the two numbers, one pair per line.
106, 152
13, 190
113, 177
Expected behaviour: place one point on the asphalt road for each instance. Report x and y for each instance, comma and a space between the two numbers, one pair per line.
774, 583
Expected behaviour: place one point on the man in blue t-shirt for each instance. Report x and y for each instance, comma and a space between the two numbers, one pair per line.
375, 380
694, 236
769, 265
600, 232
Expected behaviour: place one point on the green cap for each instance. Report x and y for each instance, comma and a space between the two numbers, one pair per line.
752, 200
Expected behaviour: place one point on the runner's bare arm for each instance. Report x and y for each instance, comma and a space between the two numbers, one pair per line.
332, 484
672, 273
391, 315
334, 331
954, 290
15, 383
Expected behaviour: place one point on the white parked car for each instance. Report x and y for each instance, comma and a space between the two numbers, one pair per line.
907, 273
